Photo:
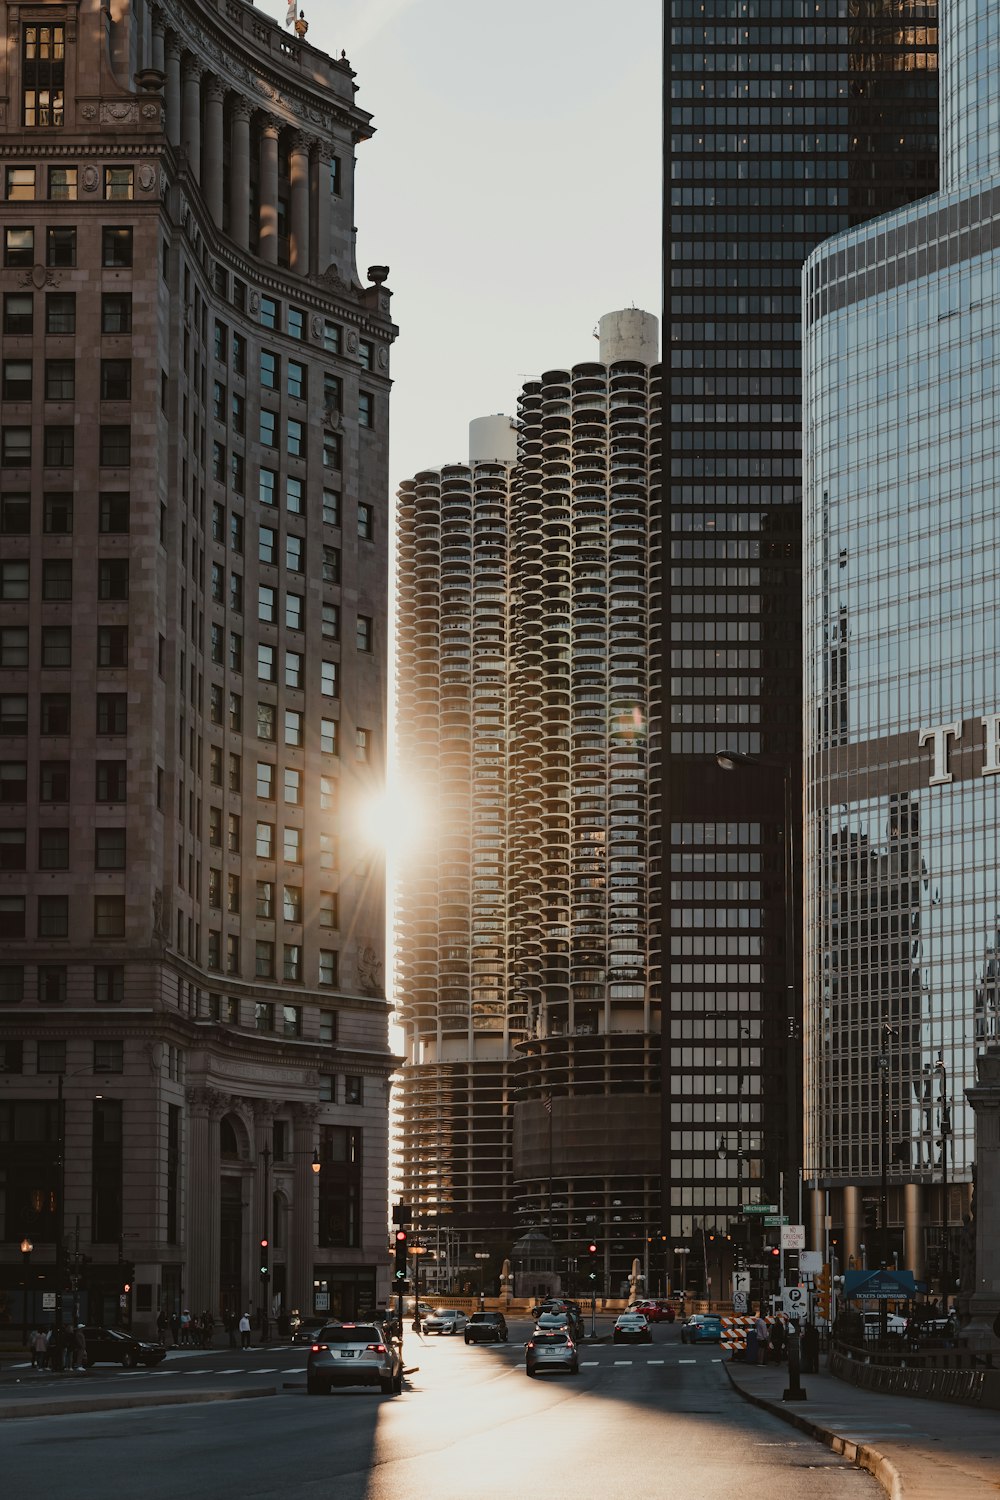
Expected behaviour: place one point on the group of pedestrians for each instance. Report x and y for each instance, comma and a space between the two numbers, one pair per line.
767, 1342
185, 1330
62, 1348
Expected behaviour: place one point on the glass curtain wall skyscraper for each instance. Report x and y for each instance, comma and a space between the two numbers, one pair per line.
902, 534
785, 123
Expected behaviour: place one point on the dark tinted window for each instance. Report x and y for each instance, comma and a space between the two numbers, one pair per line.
358, 1334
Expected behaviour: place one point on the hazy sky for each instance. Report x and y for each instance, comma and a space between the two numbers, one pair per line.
512, 187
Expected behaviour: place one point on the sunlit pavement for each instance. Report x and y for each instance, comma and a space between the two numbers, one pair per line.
657, 1420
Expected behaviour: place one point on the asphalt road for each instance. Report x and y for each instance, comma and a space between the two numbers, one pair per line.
658, 1420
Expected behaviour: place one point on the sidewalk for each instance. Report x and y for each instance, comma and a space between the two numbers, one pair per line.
917, 1450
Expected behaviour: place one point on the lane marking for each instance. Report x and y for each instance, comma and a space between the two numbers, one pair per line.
656, 1361
623, 1361
687, 1361
590, 1362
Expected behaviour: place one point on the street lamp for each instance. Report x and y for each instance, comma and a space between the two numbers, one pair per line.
939, 1067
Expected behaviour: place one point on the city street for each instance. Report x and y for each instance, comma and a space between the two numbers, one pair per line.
654, 1419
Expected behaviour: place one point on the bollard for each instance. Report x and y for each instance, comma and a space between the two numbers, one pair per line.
794, 1391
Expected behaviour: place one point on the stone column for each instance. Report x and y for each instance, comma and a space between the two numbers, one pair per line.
302, 1228
239, 173
212, 150
191, 130
913, 1228
852, 1228
298, 175
979, 1259
173, 90
201, 1283
321, 207
158, 54
817, 1220
267, 238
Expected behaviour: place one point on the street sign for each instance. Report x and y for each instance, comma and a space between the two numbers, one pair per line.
48, 1301
772, 1220
793, 1236
794, 1299
758, 1208
739, 1302
741, 1281
810, 1262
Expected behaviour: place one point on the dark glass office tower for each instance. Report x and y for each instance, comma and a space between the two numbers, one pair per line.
785, 122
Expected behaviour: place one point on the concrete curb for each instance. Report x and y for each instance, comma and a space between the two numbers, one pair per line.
10, 1411
862, 1455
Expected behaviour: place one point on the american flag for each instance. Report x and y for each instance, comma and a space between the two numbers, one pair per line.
290, 14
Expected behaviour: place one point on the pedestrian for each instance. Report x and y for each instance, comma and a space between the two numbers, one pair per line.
229, 1320
207, 1329
762, 1337
80, 1350
778, 1339
245, 1331
810, 1349
161, 1324
53, 1346
40, 1349
29, 1344
185, 1327
175, 1328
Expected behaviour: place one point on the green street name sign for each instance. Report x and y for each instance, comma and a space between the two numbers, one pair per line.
770, 1220
758, 1208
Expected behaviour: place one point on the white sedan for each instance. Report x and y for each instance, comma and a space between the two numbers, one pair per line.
445, 1320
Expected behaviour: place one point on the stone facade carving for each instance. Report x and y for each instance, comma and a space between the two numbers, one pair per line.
203, 1100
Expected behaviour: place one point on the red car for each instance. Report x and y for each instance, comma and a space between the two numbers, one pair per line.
657, 1310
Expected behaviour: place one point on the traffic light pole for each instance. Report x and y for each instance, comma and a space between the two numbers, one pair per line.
265, 1264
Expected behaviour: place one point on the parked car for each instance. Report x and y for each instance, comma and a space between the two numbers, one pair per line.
551, 1351
445, 1320
631, 1328
486, 1328
702, 1328
658, 1310
354, 1354
112, 1346
304, 1330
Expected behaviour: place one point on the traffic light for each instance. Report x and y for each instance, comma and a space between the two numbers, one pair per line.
265, 1269
402, 1241
823, 1285
871, 1208
592, 1260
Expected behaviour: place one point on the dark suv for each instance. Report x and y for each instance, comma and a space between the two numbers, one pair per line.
486, 1328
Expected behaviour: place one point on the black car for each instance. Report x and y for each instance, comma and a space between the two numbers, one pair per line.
486, 1328
112, 1346
304, 1331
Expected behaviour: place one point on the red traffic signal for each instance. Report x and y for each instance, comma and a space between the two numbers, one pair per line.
401, 1236
263, 1244
592, 1248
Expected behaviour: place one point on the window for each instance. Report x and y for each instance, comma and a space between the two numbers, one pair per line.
53, 916
53, 848
14, 713
293, 611
235, 772
19, 184
292, 848
113, 513
364, 633
293, 726
331, 508
111, 781
18, 313
57, 448
60, 379
215, 827
366, 409
233, 895
265, 900
293, 786
57, 513
327, 966
239, 415
295, 439
265, 663
11, 1055
17, 380
331, 622
263, 1011
13, 646
236, 533
291, 969
265, 780
116, 313
219, 341
116, 447
112, 713
13, 848
215, 702
116, 246
51, 1056
270, 370
13, 781
216, 643
112, 646
267, 487
54, 717
14, 579
118, 186
19, 245
215, 765
328, 850
62, 184
215, 584
15, 447
57, 645
109, 1057
363, 745
294, 677
109, 984
109, 848
329, 674
267, 545
366, 522
233, 833
42, 75
116, 379
215, 889
112, 578
235, 652
214, 949
109, 916
331, 337
239, 355
267, 432
291, 903
232, 953
265, 840
294, 496
327, 794
60, 245
295, 548
295, 323
328, 736
236, 593
333, 394
11, 926
328, 1025
328, 1088
329, 909
331, 450
270, 312
52, 984
295, 380
265, 721
353, 1089
267, 604
236, 713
